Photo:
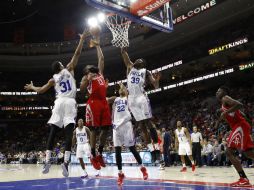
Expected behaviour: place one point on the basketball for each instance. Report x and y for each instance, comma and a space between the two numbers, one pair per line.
95, 31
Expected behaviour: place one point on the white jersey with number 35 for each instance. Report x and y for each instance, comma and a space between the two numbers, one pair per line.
65, 84
136, 81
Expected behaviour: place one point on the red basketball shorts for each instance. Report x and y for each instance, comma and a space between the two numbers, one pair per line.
240, 137
98, 113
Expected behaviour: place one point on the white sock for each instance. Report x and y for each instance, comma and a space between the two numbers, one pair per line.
84, 170
192, 162
184, 165
120, 171
48, 155
67, 155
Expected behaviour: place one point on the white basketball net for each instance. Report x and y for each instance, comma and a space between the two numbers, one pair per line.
119, 27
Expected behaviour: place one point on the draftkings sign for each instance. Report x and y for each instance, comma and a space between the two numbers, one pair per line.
228, 46
246, 66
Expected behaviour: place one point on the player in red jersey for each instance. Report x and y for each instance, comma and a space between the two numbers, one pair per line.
240, 137
98, 116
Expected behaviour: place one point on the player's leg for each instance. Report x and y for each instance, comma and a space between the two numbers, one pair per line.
184, 169
238, 166
182, 153
49, 147
105, 126
55, 122
68, 133
93, 139
85, 175
102, 141
118, 151
92, 121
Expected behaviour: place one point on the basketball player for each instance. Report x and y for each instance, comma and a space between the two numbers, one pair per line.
183, 144
98, 117
81, 135
139, 103
240, 137
64, 111
123, 133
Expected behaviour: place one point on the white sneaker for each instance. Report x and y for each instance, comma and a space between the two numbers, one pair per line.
65, 169
45, 168
85, 175
97, 173
161, 167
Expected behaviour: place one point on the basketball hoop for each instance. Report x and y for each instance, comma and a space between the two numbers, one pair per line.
119, 26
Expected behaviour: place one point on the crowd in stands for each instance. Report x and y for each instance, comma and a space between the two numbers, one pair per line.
28, 144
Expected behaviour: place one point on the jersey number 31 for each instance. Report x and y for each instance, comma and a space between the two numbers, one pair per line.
66, 86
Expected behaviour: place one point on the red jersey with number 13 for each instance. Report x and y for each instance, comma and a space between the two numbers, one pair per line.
97, 88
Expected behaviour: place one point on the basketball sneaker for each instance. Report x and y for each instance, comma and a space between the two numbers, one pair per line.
46, 167
120, 179
65, 169
193, 167
144, 172
95, 163
85, 175
184, 169
99, 158
242, 182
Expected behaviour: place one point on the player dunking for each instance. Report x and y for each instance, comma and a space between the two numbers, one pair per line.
64, 111
81, 135
183, 143
139, 103
123, 132
240, 137
98, 117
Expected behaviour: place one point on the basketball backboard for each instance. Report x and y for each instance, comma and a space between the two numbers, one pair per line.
156, 14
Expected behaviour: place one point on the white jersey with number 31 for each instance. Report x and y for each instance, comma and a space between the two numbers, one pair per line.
136, 81
65, 84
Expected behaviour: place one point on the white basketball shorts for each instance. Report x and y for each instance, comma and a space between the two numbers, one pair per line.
140, 107
83, 149
184, 149
64, 112
123, 135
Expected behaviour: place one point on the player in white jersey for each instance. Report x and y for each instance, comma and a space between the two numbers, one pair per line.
139, 103
81, 136
64, 111
183, 144
123, 133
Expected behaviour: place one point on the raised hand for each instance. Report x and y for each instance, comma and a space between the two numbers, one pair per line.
29, 86
85, 34
157, 76
94, 43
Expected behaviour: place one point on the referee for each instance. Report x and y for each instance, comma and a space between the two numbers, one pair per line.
197, 140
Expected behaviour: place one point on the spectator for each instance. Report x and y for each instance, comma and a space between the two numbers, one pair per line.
207, 153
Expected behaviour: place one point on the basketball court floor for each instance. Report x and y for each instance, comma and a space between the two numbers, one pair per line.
29, 177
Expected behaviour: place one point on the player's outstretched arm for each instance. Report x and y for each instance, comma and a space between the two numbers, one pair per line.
154, 79
126, 59
74, 61
41, 89
96, 44
111, 99
232, 103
